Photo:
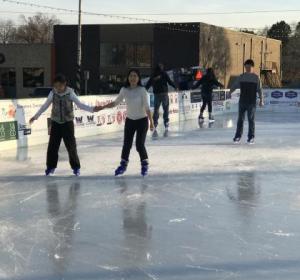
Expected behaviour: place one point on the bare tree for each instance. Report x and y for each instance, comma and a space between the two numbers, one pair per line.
215, 49
264, 31
7, 32
291, 61
247, 31
36, 29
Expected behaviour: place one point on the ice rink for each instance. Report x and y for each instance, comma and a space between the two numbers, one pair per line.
208, 209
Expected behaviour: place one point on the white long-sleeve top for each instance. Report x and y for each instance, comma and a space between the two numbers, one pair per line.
137, 101
73, 97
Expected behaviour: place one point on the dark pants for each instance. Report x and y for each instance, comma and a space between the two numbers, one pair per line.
161, 99
206, 100
63, 131
140, 127
250, 109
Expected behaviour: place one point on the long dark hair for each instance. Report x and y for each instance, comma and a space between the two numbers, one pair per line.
127, 84
210, 74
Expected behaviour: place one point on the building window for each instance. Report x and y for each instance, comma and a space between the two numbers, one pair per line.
143, 55
111, 83
125, 54
7, 77
33, 77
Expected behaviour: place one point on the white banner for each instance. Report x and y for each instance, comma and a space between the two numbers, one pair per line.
282, 99
183, 106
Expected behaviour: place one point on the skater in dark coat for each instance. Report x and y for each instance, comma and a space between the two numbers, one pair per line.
62, 127
208, 83
250, 85
159, 81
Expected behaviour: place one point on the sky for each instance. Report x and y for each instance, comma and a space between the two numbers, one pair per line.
179, 10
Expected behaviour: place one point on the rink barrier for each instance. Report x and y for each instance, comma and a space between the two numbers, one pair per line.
282, 100
15, 131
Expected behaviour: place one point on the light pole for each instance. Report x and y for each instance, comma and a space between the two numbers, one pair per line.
78, 72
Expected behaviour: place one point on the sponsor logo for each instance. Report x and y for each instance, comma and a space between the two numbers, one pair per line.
277, 94
124, 115
23, 127
218, 103
291, 94
109, 120
90, 120
11, 111
286, 103
79, 120
100, 120
8, 131
196, 97
119, 117
219, 109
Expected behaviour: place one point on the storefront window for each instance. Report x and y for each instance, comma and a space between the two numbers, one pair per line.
33, 77
125, 54
7, 82
111, 83
143, 55
8, 77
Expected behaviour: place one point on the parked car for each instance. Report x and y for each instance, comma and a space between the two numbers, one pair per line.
40, 92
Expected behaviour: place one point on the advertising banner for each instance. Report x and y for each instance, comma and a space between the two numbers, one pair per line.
15, 130
282, 99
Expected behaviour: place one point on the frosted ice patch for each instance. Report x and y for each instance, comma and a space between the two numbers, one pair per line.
281, 233
108, 267
179, 220
134, 196
57, 257
149, 257
76, 226
198, 196
3, 274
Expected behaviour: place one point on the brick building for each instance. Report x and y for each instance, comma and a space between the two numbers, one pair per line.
109, 50
24, 67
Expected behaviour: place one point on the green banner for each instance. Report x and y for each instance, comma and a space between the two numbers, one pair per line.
8, 131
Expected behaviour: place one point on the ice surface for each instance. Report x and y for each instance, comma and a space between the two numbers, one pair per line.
208, 209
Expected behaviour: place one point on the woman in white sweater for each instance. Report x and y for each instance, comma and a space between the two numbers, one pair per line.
137, 121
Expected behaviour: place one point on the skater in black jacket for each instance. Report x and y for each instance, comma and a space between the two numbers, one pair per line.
208, 82
159, 81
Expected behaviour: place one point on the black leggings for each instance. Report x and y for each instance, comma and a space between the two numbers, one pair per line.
207, 100
139, 126
63, 131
